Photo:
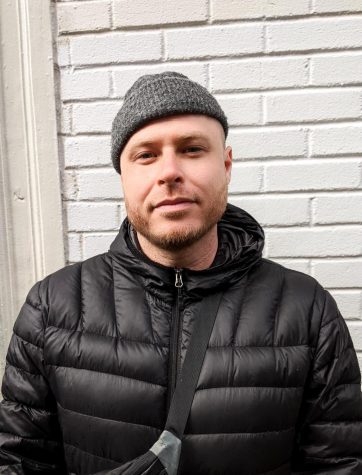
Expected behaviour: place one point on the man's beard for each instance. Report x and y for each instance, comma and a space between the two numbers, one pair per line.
185, 235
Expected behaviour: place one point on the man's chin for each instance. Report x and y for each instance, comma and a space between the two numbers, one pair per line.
176, 238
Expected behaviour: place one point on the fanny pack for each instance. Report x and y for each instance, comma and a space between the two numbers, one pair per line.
163, 457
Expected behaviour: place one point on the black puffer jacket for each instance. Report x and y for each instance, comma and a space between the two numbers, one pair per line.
97, 347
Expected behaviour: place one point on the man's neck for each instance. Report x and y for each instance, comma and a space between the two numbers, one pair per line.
198, 256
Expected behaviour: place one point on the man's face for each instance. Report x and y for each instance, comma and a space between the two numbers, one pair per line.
175, 173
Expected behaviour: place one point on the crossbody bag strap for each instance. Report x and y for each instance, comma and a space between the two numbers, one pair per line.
186, 385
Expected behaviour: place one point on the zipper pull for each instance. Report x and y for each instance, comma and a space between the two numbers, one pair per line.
178, 281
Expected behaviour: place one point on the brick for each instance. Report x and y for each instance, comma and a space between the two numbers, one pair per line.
349, 303
266, 73
340, 140
92, 216
300, 265
312, 175
214, 40
123, 78
83, 16
242, 110
99, 184
341, 208
245, 9
338, 273
87, 151
62, 54
94, 116
94, 244
117, 47
315, 242
355, 330
245, 178
64, 121
268, 143
142, 12
273, 211
74, 251
86, 84
312, 106
69, 185
331, 6
314, 34
336, 69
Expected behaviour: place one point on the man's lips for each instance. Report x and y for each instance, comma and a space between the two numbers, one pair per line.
173, 204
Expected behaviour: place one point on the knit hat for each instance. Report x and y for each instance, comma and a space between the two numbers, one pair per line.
154, 96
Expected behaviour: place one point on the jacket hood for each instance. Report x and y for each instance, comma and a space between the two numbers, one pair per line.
241, 241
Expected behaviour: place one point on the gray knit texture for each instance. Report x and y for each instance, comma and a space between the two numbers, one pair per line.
154, 96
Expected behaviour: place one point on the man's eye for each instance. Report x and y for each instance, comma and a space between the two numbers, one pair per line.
193, 149
145, 155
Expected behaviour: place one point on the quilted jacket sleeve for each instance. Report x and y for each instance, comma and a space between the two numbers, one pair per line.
30, 439
330, 436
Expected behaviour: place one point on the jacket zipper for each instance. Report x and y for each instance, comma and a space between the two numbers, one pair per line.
175, 344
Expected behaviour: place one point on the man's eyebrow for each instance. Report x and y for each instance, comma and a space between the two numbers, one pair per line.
180, 139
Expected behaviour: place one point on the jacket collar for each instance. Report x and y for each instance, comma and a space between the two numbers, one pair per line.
241, 241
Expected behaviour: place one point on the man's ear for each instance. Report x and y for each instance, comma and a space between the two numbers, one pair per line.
228, 161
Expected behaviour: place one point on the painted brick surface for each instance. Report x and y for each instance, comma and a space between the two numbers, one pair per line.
339, 273
338, 208
83, 16
276, 211
143, 12
242, 109
325, 242
313, 106
336, 6
341, 140
289, 76
264, 73
314, 34
313, 175
85, 84
268, 143
337, 69
245, 9
214, 40
86, 151
115, 47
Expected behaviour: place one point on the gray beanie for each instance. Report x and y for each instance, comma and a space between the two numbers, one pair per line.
154, 96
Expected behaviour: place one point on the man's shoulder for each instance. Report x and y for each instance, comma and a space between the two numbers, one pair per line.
70, 279
295, 282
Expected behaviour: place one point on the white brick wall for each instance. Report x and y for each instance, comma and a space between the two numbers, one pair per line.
289, 76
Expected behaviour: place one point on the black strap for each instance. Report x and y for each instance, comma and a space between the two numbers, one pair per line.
186, 385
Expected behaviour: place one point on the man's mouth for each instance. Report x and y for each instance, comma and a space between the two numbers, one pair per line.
174, 204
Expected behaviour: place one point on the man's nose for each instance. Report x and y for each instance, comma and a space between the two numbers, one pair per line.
170, 168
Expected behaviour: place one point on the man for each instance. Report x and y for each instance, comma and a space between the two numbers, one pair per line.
98, 346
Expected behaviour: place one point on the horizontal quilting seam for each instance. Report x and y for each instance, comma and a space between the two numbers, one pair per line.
82, 414
30, 406
90, 453
86, 332
35, 439
22, 370
258, 347
104, 372
250, 387
28, 342
243, 434
338, 422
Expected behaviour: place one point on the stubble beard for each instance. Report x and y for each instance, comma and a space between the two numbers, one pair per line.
185, 235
